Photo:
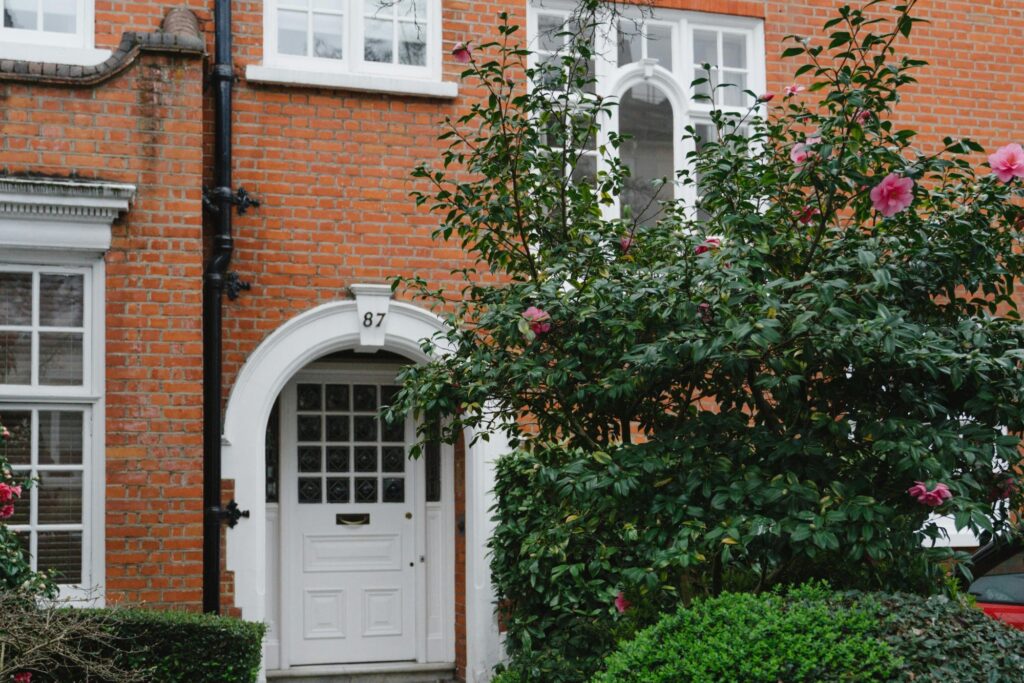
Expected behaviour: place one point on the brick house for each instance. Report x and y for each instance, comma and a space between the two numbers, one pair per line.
359, 559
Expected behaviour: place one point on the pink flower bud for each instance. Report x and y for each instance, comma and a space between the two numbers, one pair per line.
766, 97
862, 116
709, 244
807, 215
7, 511
538, 318
461, 52
625, 243
621, 603
794, 90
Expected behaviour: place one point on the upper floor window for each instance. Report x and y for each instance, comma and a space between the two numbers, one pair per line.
646, 61
389, 37
59, 23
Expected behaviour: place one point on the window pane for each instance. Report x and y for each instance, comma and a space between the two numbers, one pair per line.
413, 9
60, 438
15, 357
705, 48
60, 497
548, 27
378, 41
330, 5
412, 44
60, 358
732, 96
734, 50
20, 14
659, 45
18, 446
61, 300
629, 42
379, 8
328, 36
291, 33
62, 550
15, 298
59, 16
645, 115
23, 504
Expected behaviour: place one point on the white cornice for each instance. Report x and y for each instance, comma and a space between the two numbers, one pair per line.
49, 213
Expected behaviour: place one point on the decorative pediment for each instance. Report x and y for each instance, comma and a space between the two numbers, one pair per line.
52, 213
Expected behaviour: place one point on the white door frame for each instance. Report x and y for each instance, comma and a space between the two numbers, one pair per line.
331, 327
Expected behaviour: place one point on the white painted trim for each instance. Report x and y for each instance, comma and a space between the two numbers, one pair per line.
64, 215
352, 71
311, 335
377, 83
483, 640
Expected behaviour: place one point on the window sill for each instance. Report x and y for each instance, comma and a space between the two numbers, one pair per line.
53, 54
363, 83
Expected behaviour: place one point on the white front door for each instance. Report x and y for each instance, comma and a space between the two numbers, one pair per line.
351, 520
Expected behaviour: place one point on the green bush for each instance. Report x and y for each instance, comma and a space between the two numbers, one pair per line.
180, 647
810, 635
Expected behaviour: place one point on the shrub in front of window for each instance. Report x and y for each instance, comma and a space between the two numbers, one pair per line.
16, 574
773, 365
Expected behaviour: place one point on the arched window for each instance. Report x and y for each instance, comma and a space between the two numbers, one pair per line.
646, 117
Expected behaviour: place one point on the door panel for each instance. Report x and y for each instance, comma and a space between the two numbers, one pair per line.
347, 489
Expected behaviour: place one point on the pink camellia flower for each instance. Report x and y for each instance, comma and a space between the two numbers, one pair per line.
917, 490
461, 53
1004, 488
704, 311
7, 511
4, 433
802, 152
766, 97
621, 603
862, 116
934, 498
1008, 162
807, 215
9, 492
709, 244
794, 90
538, 318
625, 242
892, 195
23, 677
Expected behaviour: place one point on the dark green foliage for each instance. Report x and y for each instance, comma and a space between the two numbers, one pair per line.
694, 416
810, 635
181, 647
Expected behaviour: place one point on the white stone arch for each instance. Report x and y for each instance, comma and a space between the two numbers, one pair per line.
332, 327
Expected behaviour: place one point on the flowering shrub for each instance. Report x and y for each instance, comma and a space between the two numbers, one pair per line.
15, 571
745, 393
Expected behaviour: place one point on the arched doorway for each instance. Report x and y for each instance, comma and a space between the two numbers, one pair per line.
284, 361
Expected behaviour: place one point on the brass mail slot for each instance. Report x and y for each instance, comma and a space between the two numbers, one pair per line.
352, 520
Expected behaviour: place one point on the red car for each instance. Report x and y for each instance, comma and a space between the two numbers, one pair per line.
999, 581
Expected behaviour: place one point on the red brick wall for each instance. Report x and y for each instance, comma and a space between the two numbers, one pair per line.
139, 128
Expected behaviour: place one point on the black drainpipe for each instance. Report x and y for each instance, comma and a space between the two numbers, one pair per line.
217, 281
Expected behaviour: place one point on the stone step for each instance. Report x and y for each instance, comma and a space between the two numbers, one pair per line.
399, 672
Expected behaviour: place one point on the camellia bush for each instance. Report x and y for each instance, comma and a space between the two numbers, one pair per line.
779, 380
16, 573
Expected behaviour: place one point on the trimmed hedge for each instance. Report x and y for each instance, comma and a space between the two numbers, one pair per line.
811, 634
180, 647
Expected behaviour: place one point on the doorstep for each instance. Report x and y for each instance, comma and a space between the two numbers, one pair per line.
385, 672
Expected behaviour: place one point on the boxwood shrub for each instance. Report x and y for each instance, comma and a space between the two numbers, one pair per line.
810, 634
180, 647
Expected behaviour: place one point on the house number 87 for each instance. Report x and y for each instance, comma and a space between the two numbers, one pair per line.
368, 319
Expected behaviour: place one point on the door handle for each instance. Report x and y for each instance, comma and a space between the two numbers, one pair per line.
352, 520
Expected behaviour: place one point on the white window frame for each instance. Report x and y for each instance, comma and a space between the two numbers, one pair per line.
613, 81
60, 223
37, 45
353, 72
88, 398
